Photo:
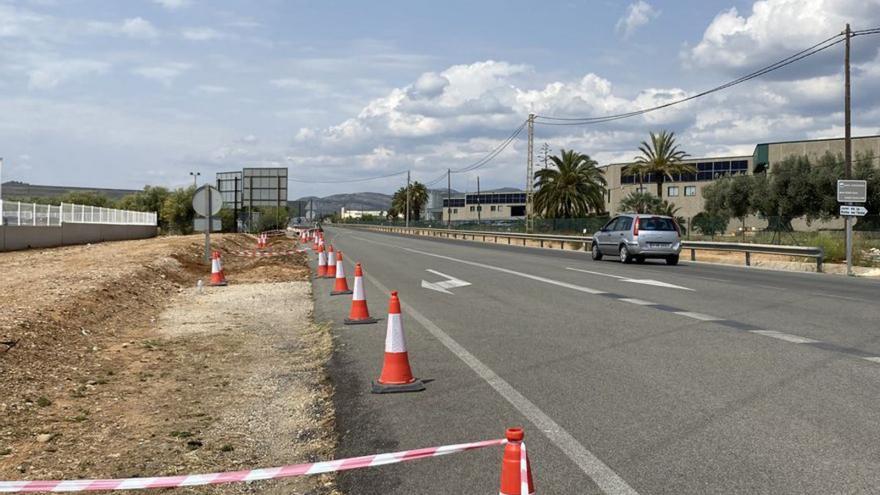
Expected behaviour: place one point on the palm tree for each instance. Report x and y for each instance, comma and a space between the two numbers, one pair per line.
640, 202
662, 158
418, 196
570, 188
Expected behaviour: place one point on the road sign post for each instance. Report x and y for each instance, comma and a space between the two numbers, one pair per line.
207, 202
848, 192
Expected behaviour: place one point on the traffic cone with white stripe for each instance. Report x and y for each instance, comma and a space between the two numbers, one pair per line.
516, 471
331, 262
322, 263
396, 374
341, 286
359, 313
217, 277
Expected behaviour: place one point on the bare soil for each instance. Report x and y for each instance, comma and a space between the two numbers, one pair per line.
113, 364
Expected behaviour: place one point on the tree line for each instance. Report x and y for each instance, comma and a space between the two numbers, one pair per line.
796, 187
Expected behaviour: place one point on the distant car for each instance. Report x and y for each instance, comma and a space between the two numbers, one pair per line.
637, 237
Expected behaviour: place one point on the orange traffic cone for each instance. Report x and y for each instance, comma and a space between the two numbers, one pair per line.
516, 471
217, 277
322, 262
341, 286
331, 262
359, 314
396, 374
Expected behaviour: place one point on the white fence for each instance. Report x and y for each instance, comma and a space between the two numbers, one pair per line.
31, 214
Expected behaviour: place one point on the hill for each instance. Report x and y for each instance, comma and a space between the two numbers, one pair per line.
354, 201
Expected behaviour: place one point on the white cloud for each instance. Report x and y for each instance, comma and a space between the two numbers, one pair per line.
778, 28
139, 28
164, 74
211, 89
202, 34
173, 4
637, 15
51, 74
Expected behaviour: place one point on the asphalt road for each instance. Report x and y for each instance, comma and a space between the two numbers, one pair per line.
627, 378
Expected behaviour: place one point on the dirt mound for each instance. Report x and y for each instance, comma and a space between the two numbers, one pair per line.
82, 347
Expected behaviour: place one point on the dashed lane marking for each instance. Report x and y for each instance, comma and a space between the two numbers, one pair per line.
796, 339
697, 316
605, 478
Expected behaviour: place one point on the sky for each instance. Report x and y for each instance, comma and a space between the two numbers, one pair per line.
125, 94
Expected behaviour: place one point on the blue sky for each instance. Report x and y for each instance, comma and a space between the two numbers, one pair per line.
123, 94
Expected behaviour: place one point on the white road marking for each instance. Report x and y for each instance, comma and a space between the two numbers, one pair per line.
445, 285
697, 316
605, 478
643, 281
872, 359
640, 302
656, 283
567, 285
784, 336
593, 273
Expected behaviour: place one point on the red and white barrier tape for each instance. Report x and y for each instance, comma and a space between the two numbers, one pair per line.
259, 254
247, 475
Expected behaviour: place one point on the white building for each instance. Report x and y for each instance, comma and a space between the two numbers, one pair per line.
343, 213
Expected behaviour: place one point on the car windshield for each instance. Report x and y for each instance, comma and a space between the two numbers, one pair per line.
656, 223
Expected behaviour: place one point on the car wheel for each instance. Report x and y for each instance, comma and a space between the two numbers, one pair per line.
624, 255
596, 254
672, 260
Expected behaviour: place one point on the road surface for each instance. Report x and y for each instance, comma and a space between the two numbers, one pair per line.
645, 379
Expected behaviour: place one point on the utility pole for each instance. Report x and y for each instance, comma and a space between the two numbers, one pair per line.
479, 203
530, 174
448, 198
847, 145
407, 199
195, 176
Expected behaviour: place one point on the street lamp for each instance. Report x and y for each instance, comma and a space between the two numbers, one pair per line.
195, 176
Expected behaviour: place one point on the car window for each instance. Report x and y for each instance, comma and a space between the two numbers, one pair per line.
610, 225
625, 223
656, 223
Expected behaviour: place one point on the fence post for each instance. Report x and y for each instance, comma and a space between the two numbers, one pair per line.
693, 254
820, 259
34, 214
748, 258
19, 213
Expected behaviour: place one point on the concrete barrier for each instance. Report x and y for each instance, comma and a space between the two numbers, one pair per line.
14, 237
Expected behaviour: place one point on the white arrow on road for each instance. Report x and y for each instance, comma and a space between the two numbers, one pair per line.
643, 281
443, 286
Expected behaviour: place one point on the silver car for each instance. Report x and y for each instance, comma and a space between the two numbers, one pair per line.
638, 237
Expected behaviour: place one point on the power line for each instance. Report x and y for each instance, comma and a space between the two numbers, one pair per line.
485, 159
344, 181
818, 47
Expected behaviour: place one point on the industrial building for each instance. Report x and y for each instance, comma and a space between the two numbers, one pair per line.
686, 190
505, 204
23, 190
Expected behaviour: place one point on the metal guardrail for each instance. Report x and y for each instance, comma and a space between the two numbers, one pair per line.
547, 240
37, 215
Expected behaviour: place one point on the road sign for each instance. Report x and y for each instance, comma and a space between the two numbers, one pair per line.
852, 191
200, 201
199, 224
853, 211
